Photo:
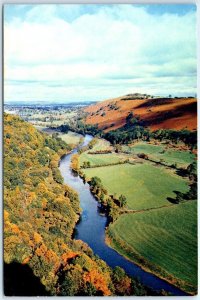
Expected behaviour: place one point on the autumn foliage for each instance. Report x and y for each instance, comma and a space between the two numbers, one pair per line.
40, 214
75, 162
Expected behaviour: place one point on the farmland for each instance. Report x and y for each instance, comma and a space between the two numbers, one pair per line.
102, 145
153, 232
96, 158
162, 153
145, 148
71, 138
100, 159
165, 240
144, 185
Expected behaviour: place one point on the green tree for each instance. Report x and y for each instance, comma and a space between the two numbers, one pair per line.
95, 182
118, 148
122, 200
122, 283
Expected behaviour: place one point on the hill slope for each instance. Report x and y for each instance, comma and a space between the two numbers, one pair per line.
156, 113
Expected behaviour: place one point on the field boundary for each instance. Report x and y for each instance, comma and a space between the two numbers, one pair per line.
105, 165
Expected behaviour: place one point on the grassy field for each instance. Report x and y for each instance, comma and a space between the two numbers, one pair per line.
158, 152
102, 145
100, 159
181, 158
163, 240
71, 138
142, 147
166, 238
144, 185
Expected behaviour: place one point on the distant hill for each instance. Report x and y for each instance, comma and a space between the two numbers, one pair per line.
155, 113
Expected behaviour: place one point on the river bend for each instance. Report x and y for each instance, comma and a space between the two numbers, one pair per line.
91, 229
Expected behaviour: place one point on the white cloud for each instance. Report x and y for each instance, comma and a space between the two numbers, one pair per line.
106, 51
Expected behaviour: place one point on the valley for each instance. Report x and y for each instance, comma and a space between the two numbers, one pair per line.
100, 155
144, 176
152, 174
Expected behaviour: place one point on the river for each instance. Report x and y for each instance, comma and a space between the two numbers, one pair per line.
91, 229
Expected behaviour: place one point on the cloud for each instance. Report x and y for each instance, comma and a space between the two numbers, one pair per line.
98, 51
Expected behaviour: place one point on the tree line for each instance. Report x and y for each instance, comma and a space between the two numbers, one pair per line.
134, 129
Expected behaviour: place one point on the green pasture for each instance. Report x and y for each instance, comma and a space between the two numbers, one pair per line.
143, 147
181, 158
101, 145
99, 159
159, 152
71, 138
144, 185
165, 238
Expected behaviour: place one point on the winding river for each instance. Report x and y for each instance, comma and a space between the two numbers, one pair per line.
91, 229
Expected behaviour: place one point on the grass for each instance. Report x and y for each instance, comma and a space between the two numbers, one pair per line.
181, 158
101, 145
165, 238
142, 147
99, 159
144, 185
71, 138
155, 152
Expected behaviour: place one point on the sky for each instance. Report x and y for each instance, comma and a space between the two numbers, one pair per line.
64, 53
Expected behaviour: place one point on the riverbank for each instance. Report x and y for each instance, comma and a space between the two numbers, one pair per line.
128, 252
142, 237
91, 229
175, 267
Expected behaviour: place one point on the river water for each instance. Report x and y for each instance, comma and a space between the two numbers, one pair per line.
91, 229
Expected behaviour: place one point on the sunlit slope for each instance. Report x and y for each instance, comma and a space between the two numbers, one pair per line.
158, 113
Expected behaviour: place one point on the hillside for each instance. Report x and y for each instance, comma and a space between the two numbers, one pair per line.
155, 113
40, 213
